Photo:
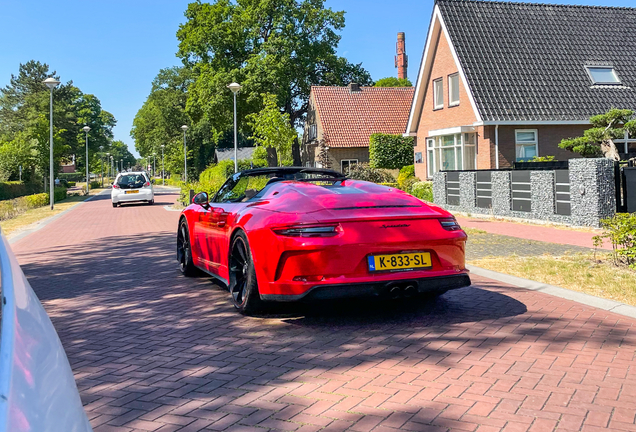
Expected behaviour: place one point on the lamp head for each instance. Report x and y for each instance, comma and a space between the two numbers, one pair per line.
51, 83
235, 87
184, 128
86, 129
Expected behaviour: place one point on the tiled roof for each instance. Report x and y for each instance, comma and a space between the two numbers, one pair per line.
525, 61
349, 118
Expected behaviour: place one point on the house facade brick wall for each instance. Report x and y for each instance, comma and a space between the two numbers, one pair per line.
549, 137
447, 117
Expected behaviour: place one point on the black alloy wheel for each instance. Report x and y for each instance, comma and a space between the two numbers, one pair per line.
184, 253
243, 285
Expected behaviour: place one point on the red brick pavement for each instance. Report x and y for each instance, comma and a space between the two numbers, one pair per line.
154, 351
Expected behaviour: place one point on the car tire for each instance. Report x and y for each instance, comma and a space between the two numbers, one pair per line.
151, 202
243, 285
114, 205
184, 250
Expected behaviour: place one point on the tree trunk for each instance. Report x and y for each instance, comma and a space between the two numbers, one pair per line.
609, 150
272, 157
296, 153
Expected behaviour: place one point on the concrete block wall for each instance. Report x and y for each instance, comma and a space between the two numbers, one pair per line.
592, 194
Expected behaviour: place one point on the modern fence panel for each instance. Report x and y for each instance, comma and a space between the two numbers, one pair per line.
562, 192
521, 189
452, 188
581, 195
484, 189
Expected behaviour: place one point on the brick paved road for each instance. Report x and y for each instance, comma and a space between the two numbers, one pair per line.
153, 351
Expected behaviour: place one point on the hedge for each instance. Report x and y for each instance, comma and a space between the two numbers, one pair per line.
15, 189
390, 151
15, 207
423, 190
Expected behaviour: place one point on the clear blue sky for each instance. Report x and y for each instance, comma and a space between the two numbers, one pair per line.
114, 48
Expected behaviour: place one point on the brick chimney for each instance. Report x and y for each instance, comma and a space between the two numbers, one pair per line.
401, 59
354, 87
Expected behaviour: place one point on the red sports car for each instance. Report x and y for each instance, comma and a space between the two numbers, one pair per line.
292, 233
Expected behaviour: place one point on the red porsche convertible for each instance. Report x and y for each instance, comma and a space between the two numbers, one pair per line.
291, 233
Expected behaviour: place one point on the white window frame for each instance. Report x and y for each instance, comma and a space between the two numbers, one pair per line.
313, 132
609, 68
350, 161
451, 102
526, 143
434, 144
437, 92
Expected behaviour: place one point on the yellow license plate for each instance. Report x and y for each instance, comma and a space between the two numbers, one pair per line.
132, 191
400, 261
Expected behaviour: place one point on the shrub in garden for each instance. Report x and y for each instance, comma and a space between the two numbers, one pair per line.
95, 185
14, 207
363, 171
15, 189
390, 151
423, 190
621, 232
407, 174
76, 177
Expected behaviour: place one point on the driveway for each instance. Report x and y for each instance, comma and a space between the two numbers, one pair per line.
154, 351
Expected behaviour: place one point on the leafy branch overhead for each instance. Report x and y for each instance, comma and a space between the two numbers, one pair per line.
599, 139
272, 128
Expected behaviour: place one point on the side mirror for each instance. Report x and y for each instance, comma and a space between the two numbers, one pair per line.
201, 199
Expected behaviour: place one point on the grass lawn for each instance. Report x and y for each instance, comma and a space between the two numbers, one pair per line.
576, 272
36, 215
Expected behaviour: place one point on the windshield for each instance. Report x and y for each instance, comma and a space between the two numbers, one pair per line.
245, 186
129, 181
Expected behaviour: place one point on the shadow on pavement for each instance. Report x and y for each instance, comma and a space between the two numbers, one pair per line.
136, 330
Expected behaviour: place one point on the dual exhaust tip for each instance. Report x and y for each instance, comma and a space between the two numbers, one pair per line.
407, 290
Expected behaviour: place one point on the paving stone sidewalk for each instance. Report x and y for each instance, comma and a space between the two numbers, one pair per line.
482, 245
154, 351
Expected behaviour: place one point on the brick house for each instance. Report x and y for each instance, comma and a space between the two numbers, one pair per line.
501, 82
345, 117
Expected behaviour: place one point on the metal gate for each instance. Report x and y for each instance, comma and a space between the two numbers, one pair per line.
562, 192
521, 190
452, 188
484, 189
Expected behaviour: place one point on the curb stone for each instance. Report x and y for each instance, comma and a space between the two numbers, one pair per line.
586, 299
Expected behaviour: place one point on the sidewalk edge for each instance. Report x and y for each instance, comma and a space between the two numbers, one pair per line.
586, 299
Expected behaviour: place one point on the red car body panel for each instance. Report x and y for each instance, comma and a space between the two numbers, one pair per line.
372, 219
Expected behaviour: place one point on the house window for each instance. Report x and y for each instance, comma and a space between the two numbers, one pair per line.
345, 164
603, 75
451, 152
313, 132
453, 90
438, 93
418, 157
526, 144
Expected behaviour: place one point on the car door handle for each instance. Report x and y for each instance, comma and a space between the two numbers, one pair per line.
220, 224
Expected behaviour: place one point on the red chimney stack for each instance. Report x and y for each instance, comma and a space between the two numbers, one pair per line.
401, 59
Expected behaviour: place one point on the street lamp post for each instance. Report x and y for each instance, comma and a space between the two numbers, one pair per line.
121, 161
154, 164
101, 160
184, 128
108, 165
163, 169
235, 87
51, 83
112, 170
87, 129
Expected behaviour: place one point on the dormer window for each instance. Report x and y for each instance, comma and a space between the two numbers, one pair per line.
603, 75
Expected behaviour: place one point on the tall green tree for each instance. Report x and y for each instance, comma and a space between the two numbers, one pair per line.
281, 47
272, 129
598, 141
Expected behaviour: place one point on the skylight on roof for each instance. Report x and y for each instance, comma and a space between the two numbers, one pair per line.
603, 75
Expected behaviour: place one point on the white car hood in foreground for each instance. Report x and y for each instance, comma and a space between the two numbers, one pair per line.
37, 388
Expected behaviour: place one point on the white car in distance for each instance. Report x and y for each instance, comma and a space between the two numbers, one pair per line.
132, 187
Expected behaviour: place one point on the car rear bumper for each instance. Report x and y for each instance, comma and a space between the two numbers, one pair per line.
377, 289
142, 195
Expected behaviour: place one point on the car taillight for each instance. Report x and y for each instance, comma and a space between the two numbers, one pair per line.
309, 231
450, 224
116, 186
146, 184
